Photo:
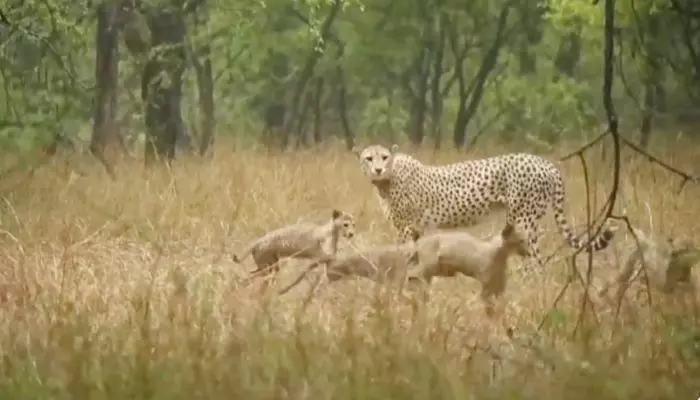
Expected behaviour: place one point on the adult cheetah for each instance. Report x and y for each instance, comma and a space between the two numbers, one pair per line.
413, 194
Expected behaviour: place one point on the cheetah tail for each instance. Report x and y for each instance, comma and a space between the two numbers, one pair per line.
301, 276
600, 242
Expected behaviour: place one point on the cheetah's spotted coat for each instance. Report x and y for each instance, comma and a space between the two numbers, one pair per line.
413, 194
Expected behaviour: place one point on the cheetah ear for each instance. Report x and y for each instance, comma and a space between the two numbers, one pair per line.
356, 151
394, 148
335, 213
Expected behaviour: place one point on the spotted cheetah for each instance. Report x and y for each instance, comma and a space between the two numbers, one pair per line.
413, 194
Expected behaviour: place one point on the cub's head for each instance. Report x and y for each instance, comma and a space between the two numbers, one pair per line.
376, 161
514, 241
344, 223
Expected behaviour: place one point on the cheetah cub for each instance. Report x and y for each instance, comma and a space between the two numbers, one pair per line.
301, 240
448, 253
668, 263
389, 262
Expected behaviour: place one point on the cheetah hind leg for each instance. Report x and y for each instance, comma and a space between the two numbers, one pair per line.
532, 232
408, 234
534, 239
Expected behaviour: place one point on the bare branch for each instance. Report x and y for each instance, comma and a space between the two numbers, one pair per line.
686, 177
3, 18
608, 69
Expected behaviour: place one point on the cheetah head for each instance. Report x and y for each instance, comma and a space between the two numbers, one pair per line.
514, 240
376, 161
344, 223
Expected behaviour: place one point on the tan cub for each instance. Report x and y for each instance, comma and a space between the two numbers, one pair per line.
379, 264
301, 240
668, 266
448, 253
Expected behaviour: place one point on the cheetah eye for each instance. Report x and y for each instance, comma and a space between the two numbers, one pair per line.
345, 224
384, 157
368, 158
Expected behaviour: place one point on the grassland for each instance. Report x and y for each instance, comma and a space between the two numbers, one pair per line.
126, 289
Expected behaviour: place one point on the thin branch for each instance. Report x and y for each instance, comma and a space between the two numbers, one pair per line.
589, 223
655, 160
587, 146
3, 18
608, 69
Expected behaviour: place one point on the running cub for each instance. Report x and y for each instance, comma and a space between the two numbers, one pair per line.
382, 263
448, 253
301, 240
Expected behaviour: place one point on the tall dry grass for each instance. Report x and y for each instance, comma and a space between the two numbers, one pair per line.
126, 289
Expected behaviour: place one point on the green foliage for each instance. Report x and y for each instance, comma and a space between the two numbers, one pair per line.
259, 48
46, 58
547, 109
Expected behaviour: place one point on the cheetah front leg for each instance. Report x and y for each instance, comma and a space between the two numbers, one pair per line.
408, 234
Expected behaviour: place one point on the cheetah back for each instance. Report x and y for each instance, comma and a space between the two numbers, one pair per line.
460, 194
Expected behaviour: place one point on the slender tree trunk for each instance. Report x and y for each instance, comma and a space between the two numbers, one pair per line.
569, 53
436, 84
318, 112
161, 85
307, 71
343, 109
652, 81
205, 86
106, 137
469, 98
531, 23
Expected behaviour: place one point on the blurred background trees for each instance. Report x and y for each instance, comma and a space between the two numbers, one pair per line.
176, 74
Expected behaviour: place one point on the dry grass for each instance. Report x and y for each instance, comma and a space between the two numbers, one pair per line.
127, 289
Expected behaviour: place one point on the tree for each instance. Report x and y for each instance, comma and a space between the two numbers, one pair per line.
470, 95
161, 82
106, 133
201, 59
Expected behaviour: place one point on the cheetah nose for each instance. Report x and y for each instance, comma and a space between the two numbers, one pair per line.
377, 171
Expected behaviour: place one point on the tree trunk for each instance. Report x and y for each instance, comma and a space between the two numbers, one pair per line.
318, 112
531, 23
106, 138
307, 71
469, 98
161, 84
419, 106
205, 87
302, 121
343, 108
436, 95
569, 53
652, 81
